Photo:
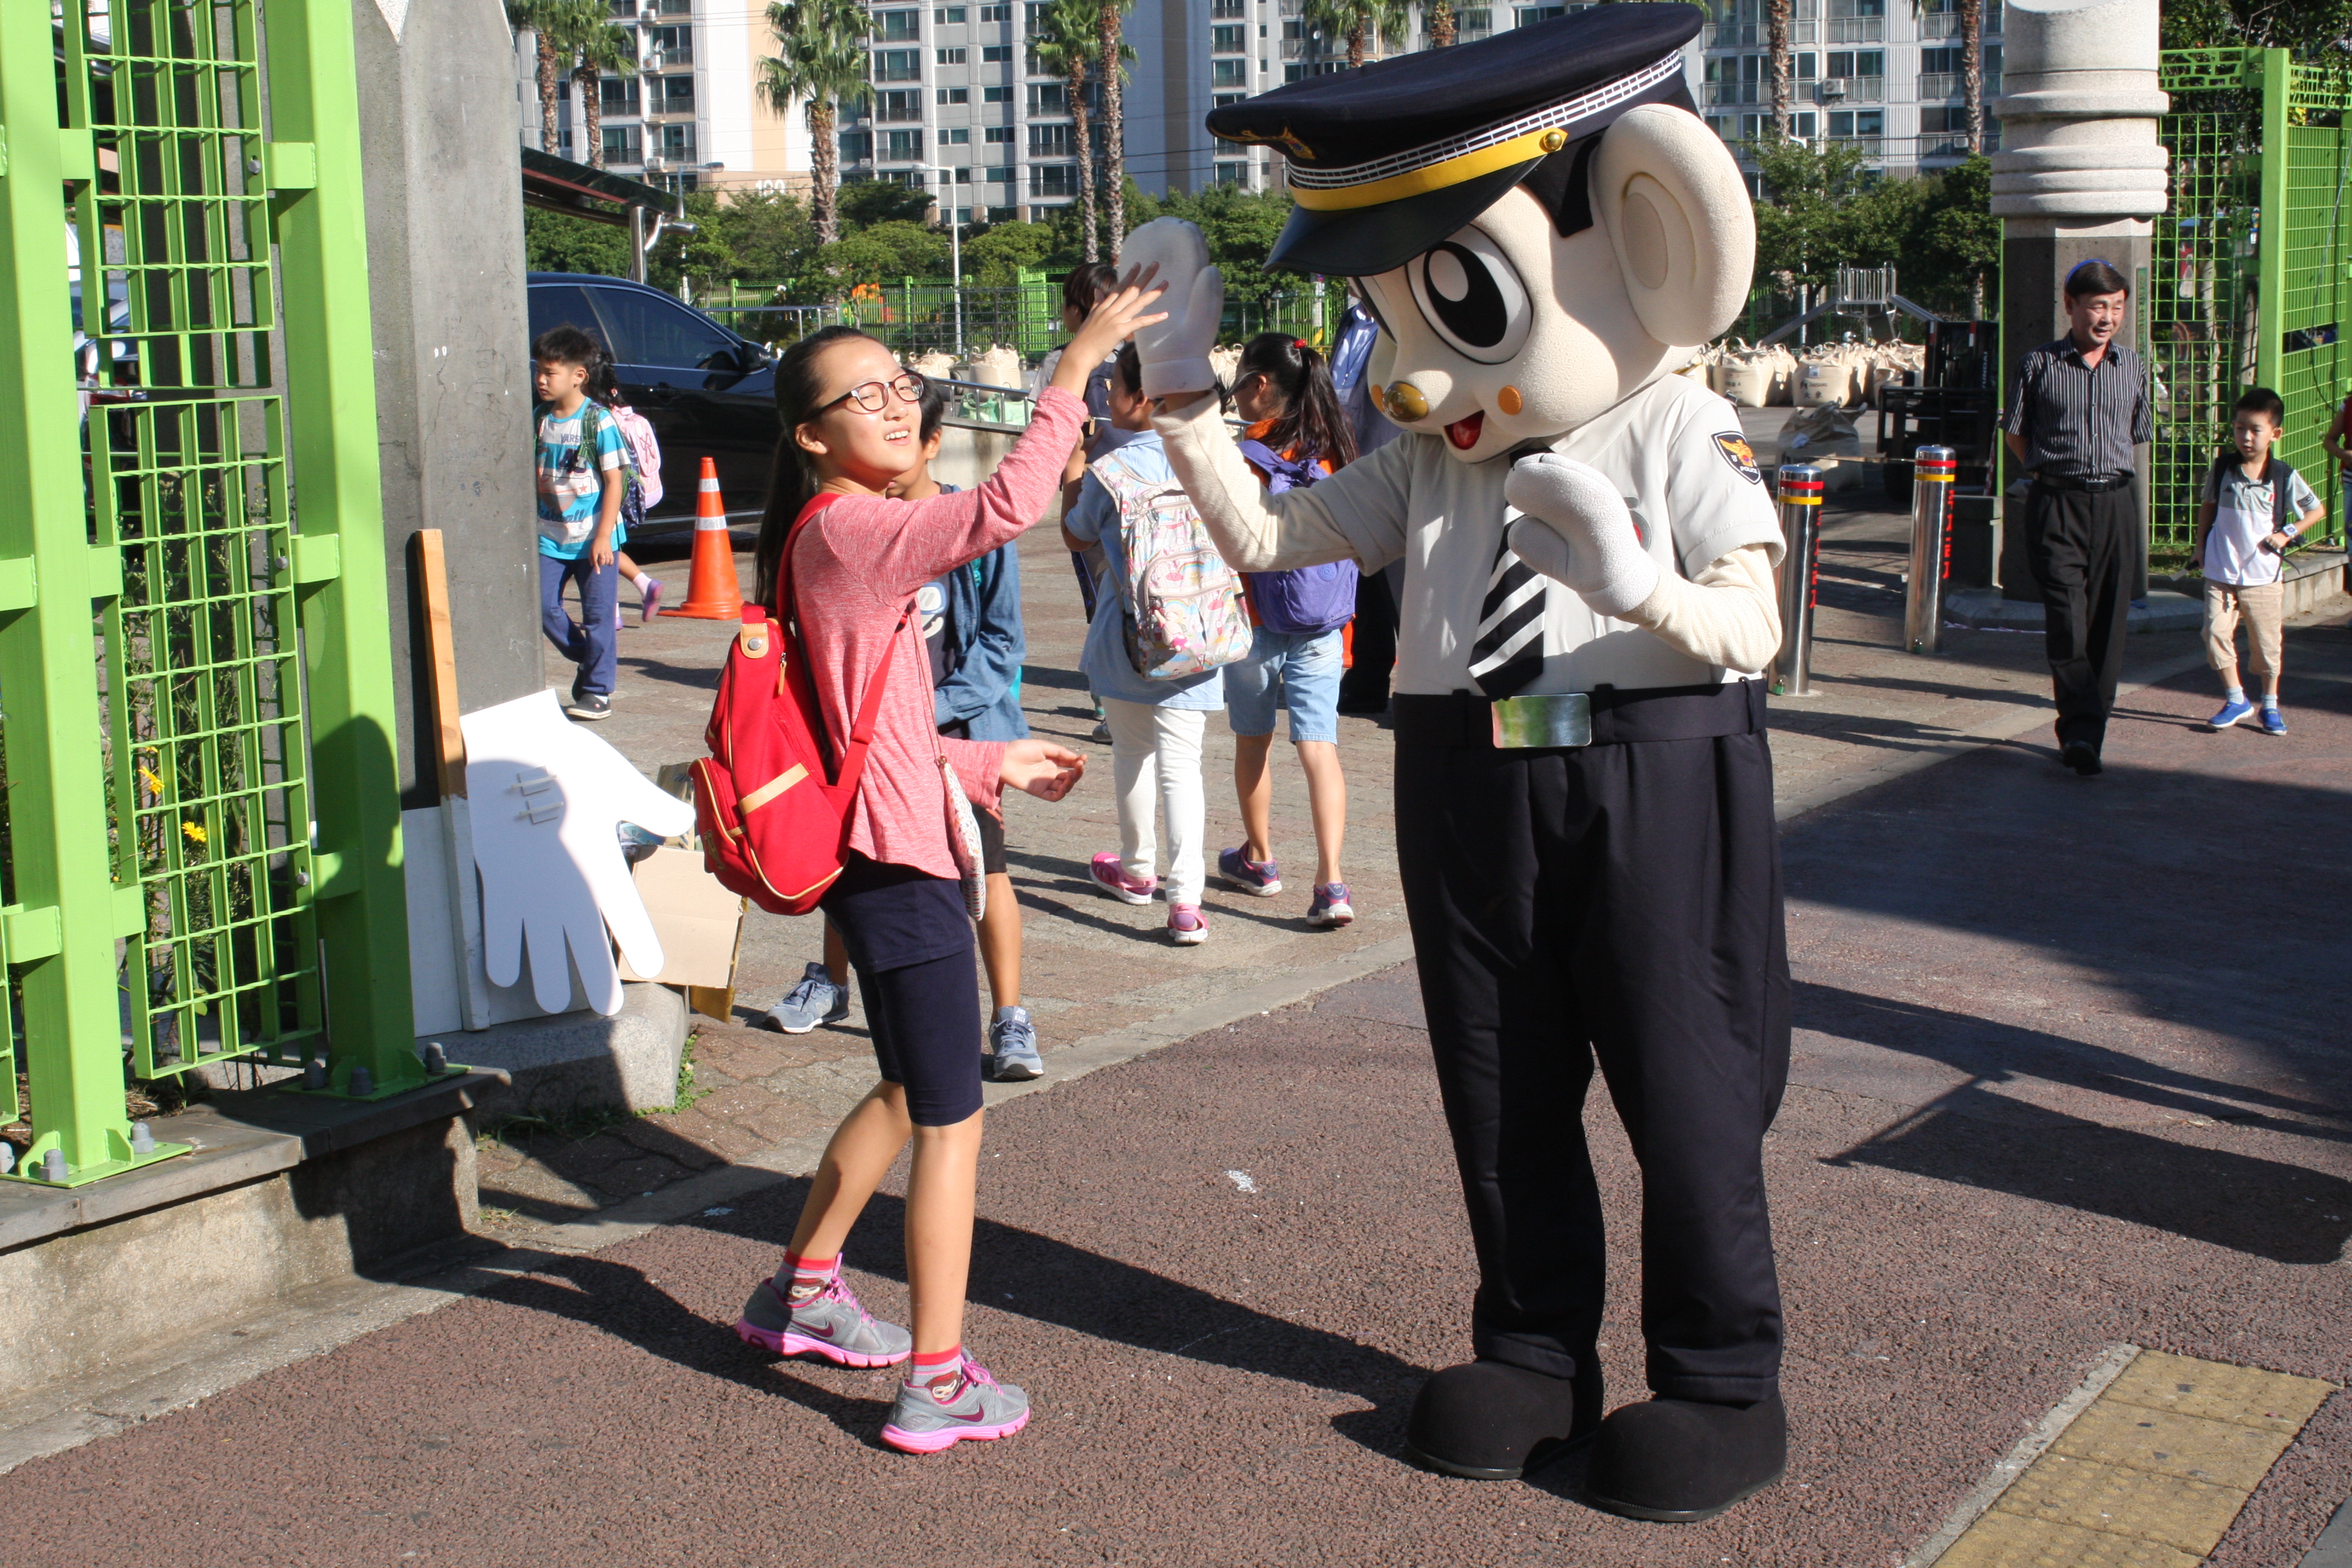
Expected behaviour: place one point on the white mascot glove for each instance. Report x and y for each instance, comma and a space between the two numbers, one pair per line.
547, 798
1577, 531
1175, 353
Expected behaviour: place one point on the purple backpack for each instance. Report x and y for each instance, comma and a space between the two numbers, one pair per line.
1311, 600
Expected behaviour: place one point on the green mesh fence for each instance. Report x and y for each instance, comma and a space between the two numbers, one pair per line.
187, 489
2240, 231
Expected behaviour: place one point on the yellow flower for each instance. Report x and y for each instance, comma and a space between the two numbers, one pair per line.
154, 783
194, 830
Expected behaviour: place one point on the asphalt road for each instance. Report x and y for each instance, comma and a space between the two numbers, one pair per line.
2071, 1070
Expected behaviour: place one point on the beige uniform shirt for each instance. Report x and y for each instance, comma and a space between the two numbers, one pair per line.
1687, 475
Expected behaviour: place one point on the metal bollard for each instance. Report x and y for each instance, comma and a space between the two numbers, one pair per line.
1931, 549
1801, 527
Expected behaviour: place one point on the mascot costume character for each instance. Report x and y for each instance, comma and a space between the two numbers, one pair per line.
1546, 231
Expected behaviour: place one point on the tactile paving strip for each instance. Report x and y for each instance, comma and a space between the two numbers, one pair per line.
2150, 1475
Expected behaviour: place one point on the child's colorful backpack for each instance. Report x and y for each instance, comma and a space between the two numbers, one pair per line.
1183, 603
644, 452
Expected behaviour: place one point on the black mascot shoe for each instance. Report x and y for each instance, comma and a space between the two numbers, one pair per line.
1490, 1421
1678, 1461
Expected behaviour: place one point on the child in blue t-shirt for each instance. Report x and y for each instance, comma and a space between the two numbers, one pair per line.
583, 473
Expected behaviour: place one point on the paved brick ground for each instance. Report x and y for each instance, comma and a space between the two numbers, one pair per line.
2071, 1072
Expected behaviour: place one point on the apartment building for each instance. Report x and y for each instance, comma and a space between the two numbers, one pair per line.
1883, 79
689, 118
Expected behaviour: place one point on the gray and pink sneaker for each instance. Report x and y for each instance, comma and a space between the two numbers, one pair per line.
1329, 907
1260, 878
962, 1406
649, 604
830, 1323
1185, 926
1111, 877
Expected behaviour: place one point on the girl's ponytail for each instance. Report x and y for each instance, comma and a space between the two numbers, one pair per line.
1312, 420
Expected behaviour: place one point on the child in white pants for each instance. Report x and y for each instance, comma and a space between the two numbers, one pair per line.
1156, 726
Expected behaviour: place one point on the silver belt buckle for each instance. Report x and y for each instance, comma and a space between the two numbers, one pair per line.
1547, 719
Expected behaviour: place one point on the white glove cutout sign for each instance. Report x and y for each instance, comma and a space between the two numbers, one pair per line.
1175, 353
547, 798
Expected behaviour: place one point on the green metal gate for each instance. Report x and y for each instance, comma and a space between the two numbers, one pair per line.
2253, 274
203, 827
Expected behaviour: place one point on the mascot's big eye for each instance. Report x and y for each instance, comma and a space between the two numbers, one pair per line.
1472, 295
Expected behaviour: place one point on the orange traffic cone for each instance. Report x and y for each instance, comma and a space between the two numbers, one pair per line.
712, 590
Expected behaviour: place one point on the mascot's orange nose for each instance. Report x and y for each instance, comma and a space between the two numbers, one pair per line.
1405, 402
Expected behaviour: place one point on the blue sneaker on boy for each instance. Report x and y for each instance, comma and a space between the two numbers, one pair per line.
2231, 713
2274, 721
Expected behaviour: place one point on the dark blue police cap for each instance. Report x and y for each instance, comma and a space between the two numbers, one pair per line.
1386, 161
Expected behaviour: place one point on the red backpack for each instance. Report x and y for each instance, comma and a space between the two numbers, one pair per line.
773, 828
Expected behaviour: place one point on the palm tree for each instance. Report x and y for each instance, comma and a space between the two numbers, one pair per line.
1355, 20
1973, 72
1112, 63
602, 49
1064, 44
1437, 17
1776, 25
539, 15
822, 60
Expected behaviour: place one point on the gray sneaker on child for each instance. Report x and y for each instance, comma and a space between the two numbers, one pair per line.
815, 1000
1013, 1038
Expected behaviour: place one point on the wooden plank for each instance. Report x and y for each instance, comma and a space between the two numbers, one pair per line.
441, 650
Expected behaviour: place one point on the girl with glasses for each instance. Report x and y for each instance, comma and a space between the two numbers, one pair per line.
852, 560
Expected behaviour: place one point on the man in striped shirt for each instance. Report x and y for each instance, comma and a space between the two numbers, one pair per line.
2078, 407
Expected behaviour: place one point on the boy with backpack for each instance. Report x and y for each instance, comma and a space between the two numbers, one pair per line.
2253, 507
1167, 619
583, 466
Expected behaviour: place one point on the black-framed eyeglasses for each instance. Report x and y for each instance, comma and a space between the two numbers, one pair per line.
870, 395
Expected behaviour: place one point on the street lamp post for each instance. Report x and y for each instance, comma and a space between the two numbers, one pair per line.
955, 254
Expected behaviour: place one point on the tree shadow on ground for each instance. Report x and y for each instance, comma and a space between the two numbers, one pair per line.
1012, 1271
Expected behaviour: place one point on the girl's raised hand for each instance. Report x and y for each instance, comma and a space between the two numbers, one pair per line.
1045, 770
1110, 323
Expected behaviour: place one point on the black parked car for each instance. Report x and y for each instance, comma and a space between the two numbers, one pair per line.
706, 392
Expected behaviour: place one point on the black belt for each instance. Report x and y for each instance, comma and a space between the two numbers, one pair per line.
2085, 487
1642, 713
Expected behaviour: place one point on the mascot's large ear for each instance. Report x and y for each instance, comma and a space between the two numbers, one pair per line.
1669, 195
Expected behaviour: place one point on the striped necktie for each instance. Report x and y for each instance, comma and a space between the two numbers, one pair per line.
1508, 652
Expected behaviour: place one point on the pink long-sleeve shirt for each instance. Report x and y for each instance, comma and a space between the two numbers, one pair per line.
854, 568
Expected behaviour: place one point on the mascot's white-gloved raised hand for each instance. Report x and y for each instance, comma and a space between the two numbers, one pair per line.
1577, 531
1175, 353
546, 798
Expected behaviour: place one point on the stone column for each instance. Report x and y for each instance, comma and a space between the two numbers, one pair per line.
2080, 174
452, 352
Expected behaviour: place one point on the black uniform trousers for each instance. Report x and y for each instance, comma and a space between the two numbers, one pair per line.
2080, 545
1619, 901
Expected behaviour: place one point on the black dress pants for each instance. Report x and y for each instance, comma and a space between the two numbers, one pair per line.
1619, 901
2080, 546
1365, 688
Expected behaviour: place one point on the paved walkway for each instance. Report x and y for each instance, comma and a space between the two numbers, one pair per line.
2070, 1077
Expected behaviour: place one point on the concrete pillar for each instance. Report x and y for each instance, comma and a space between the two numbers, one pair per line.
2080, 174
453, 357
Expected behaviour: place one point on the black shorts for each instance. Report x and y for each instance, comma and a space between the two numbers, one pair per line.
911, 941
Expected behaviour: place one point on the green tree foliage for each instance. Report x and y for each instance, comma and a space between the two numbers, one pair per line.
1822, 209
994, 256
865, 203
2310, 27
558, 242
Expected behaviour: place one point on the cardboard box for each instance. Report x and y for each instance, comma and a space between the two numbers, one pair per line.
700, 924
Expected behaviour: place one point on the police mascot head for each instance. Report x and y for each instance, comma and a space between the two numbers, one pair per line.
1541, 220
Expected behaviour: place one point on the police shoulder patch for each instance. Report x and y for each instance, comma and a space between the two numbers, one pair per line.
1739, 454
